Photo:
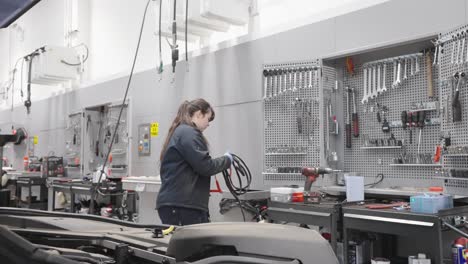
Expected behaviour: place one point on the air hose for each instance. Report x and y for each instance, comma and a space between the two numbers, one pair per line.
244, 179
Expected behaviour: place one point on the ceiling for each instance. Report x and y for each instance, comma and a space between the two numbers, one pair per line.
10, 10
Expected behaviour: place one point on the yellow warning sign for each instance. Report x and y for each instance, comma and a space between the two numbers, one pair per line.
154, 129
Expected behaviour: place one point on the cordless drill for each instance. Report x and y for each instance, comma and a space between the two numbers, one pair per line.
311, 174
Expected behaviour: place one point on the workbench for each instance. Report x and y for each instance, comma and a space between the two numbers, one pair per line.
80, 188
326, 214
426, 227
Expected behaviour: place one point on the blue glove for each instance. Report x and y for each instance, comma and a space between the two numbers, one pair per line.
227, 154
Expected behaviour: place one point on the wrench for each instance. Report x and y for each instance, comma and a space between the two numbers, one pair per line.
294, 82
280, 76
462, 47
384, 87
265, 83
369, 84
394, 73
412, 65
417, 65
316, 76
398, 81
374, 85
275, 82
290, 72
310, 77
437, 51
285, 84
379, 87
364, 98
453, 50
405, 75
299, 86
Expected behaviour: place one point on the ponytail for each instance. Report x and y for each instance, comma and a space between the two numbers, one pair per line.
184, 116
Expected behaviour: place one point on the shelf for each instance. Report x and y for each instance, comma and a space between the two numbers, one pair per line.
383, 147
281, 173
455, 155
451, 178
415, 165
283, 154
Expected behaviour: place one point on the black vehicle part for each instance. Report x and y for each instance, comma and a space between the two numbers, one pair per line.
16, 249
203, 241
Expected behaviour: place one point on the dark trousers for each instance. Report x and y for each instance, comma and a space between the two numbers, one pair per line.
173, 215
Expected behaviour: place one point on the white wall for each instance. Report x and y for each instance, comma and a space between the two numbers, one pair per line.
110, 28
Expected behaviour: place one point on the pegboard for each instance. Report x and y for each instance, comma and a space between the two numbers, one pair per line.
452, 59
73, 146
291, 121
369, 162
99, 126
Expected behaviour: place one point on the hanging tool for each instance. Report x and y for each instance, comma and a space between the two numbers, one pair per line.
355, 118
348, 122
298, 115
364, 98
265, 83
174, 46
456, 105
384, 75
410, 125
430, 88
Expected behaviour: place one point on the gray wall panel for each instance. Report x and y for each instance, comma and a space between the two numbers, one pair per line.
396, 20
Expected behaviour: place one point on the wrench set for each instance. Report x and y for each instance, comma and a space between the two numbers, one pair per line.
375, 72
279, 81
291, 108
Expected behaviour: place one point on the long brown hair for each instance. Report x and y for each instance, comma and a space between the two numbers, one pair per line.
184, 116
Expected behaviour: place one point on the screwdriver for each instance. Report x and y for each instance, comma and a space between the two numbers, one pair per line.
456, 105
355, 116
348, 124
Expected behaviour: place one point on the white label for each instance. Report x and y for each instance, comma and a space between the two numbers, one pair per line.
140, 187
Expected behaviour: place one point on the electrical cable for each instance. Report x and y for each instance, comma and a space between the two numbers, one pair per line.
84, 60
160, 69
376, 182
95, 191
241, 170
186, 33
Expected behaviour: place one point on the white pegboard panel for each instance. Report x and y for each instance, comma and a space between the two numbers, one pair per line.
454, 58
371, 162
291, 121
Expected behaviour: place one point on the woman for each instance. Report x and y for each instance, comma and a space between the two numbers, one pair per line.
187, 167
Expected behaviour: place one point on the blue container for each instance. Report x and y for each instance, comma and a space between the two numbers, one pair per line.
430, 203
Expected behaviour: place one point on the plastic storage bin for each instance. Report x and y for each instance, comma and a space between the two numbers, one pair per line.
285, 194
430, 203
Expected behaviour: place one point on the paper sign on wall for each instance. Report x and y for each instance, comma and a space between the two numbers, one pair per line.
154, 129
35, 140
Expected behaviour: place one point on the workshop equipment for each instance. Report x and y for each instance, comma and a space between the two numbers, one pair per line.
311, 174
348, 123
430, 88
456, 105
355, 115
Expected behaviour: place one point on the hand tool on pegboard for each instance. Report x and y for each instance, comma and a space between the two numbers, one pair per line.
456, 104
297, 105
430, 88
355, 118
404, 120
265, 83
409, 119
348, 122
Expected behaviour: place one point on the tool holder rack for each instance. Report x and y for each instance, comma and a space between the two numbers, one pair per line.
369, 162
281, 130
291, 121
449, 45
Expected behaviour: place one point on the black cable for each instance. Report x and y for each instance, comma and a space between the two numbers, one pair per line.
242, 171
160, 70
186, 24
376, 182
123, 104
78, 64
